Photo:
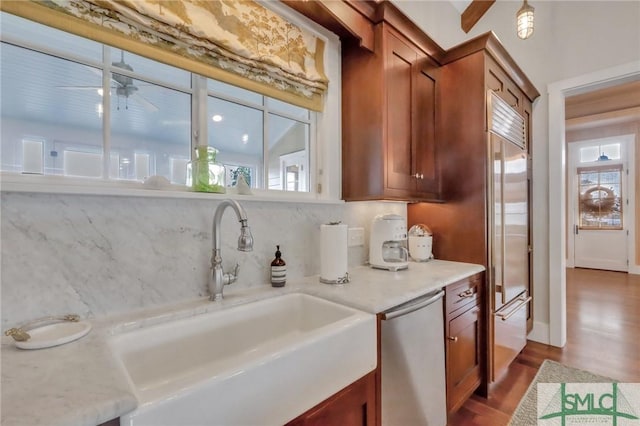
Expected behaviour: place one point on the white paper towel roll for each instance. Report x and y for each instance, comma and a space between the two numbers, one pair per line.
333, 252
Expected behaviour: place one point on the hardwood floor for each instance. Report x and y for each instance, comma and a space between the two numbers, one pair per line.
603, 336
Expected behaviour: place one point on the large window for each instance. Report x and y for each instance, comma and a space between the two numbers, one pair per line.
77, 108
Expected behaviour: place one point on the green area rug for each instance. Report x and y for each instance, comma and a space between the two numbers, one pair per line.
550, 372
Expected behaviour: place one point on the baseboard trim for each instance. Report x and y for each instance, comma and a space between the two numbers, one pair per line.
540, 332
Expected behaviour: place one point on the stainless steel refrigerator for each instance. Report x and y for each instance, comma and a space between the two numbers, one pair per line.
509, 245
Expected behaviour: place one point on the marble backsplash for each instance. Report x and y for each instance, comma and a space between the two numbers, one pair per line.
98, 256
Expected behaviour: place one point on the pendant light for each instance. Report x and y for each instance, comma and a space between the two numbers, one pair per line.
524, 19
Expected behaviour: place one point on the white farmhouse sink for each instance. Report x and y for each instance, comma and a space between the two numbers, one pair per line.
261, 363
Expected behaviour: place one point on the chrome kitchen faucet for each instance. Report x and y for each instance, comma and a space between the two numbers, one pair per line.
245, 243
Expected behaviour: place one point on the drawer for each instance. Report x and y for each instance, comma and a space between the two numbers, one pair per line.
463, 292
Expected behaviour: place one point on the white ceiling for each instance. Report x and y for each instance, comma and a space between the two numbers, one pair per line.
460, 5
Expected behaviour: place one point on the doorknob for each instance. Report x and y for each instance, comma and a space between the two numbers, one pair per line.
453, 339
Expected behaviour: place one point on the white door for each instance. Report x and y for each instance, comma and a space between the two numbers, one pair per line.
292, 171
601, 211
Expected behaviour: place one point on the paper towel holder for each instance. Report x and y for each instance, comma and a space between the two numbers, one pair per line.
333, 253
340, 280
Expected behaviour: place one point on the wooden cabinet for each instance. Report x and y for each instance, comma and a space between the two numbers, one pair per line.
389, 143
390, 93
462, 226
410, 110
354, 405
463, 339
498, 82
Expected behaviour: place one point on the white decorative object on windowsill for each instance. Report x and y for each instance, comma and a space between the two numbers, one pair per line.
242, 187
156, 182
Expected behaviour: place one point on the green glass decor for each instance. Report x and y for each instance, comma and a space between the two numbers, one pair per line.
204, 174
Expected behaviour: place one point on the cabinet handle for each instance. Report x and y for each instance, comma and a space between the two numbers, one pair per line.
453, 339
419, 176
523, 302
466, 293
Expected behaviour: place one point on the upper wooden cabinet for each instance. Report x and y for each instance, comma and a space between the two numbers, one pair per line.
390, 92
389, 141
410, 108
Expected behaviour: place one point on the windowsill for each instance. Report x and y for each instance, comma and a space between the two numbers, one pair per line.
12, 182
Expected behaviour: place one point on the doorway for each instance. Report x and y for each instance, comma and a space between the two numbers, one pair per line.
600, 199
557, 168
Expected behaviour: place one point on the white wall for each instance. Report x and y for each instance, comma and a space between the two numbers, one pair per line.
13, 131
571, 38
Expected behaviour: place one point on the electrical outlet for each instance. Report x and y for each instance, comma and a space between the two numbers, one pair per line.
355, 237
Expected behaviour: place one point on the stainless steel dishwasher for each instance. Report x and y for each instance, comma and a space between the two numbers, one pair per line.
413, 376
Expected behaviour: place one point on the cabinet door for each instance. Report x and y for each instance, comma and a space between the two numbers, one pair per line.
463, 357
411, 168
503, 86
424, 161
355, 405
400, 59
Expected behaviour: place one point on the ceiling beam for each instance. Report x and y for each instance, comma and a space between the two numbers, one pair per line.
473, 13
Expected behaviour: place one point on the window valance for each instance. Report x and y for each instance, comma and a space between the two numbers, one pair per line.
240, 42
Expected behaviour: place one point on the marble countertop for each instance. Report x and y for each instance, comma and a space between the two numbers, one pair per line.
79, 383
374, 290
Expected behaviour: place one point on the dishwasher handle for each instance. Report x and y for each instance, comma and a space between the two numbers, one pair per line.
411, 307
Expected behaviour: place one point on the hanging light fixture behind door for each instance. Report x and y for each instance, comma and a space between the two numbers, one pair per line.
524, 19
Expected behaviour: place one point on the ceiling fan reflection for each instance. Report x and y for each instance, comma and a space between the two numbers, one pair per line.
124, 87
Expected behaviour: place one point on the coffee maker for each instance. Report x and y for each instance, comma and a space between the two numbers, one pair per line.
387, 243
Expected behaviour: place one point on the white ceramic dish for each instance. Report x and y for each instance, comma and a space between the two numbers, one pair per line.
54, 334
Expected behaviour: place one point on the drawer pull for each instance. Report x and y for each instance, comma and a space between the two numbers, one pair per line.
453, 339
466, 293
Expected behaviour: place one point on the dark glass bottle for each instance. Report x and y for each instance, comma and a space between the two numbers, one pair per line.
278, 270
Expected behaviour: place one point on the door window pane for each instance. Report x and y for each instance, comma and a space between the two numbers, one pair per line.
595, 152
600, 198
612, 151
589, 153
